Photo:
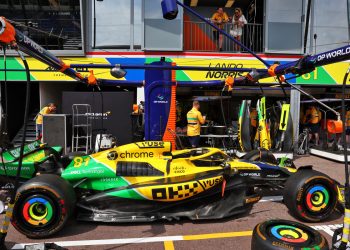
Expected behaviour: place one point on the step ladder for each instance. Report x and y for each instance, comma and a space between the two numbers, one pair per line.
81, 128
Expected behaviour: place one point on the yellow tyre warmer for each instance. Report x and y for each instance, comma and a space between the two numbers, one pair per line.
264, 137
244, 127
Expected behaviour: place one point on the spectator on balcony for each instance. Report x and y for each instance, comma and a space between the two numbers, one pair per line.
219, 18
238, 22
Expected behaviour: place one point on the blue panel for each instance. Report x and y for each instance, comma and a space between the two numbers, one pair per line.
157, 101
132, 75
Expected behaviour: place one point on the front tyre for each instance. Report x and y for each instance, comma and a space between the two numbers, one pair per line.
43, 206
310, 195
283, 234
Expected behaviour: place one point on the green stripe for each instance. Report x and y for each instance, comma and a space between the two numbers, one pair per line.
12, 63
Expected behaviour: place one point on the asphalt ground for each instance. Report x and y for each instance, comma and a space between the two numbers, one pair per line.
232, 233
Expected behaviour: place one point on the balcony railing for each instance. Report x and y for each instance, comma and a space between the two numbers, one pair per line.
61, 34
198, 36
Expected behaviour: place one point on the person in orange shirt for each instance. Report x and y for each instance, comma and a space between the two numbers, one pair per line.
219, 18
312, 120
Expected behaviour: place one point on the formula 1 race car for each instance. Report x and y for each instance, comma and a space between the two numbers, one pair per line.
147, 181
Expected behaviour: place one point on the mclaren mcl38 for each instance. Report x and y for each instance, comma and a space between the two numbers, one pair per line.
148, 181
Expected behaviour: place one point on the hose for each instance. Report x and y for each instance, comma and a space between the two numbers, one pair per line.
6, 221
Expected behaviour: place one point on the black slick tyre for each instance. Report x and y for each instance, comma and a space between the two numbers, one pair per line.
43, 206
310, 195
284, 234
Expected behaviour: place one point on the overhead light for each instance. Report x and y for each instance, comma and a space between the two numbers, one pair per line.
194, 3
229, 3
169, 9
118, 72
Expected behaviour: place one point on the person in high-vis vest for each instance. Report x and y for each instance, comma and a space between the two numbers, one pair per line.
194, 121
49, 109
312, 118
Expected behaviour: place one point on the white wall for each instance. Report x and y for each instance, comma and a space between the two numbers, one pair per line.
329, 20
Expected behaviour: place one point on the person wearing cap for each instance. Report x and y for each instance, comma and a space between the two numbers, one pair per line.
194, 121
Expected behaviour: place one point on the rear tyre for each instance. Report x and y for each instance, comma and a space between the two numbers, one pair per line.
43, 206
283, 234
310, 195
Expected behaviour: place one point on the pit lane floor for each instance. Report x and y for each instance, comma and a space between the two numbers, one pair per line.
232, 233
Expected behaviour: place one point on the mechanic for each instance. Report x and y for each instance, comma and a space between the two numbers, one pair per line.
49, 109
312, 120
194, 121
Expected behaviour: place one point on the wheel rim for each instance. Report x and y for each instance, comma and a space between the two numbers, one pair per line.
317, 198
290, 234
38, 211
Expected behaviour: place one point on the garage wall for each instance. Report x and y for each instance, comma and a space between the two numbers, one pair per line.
52, 92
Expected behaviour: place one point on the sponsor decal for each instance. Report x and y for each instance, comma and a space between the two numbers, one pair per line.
14, 168
104, 115
251, 174
273, 175
282, 245
179, 169
127, 154
136, 154
211, 182
160, 99
334, 53
176, 192
33, 44
112, 155
223, 74
150, 144
109, 179
27, 148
